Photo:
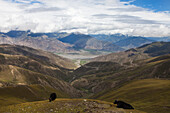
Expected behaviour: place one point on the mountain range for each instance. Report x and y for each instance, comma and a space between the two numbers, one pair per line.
133, 42
71, 42
81, 41
56, 42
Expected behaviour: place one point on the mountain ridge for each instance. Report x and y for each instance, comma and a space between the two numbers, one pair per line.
143, 52
21, 65
56, 42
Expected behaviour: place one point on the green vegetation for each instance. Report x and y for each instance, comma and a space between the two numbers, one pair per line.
82, 62
149, 95
20, 94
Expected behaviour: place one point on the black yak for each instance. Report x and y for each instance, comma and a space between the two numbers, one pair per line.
121, 104
53, 96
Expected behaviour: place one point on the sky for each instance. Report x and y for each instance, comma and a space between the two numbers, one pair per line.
155, 5
150, 18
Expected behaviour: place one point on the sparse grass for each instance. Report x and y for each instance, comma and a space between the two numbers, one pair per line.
150, 95
66, 106
20, 94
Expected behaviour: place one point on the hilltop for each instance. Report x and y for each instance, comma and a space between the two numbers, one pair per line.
67, 105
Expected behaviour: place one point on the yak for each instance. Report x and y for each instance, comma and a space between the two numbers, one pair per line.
121, 104
53, 96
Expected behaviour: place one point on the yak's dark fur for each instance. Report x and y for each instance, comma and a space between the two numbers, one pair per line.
121, 104
53, 96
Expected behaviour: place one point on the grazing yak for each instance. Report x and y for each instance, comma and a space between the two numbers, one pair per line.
121, 104
53, 96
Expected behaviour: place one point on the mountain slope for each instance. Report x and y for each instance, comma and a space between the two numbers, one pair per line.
45, 58
131, 55
145, 85
81, 41
132, 42
36, 60
48, 42
164, 39
113, 38
23, 93
149, 95
94, 81
21, 65
13, 76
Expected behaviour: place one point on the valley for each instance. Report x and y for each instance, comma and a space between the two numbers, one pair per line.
83, 56
139, 76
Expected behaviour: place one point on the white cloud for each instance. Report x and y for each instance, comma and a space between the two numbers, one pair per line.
86, 16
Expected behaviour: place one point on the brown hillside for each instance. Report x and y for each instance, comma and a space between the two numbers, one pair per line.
143, 52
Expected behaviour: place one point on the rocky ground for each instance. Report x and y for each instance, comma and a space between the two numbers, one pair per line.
66, 106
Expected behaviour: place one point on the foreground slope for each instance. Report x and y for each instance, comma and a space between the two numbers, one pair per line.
67, 106
149, 95
27, 93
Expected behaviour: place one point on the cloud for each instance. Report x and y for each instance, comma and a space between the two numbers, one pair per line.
126, 19
24, 1
43, 9
128, 9
85, 16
